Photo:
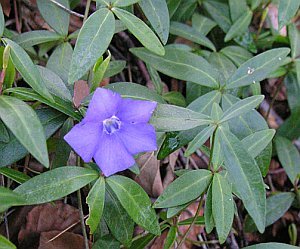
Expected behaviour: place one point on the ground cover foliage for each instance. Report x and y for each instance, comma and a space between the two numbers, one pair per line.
219, 81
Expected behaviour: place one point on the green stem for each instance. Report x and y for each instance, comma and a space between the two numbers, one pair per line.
212, 150
87, 9
86, 241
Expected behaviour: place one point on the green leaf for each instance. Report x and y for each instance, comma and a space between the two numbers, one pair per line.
172, 211
258, 141
289, 157
277, 205
142, 242
286, 10
135, 91
27, 69
175, 98
135, 201
184, 189
240, 26
202, 23
155, 79
294, 36
157, 13
208, 213
254, 3
32, 38
99, 71
257, 68
95, 201
9, 198
65, 107
55, 16
191, 34
272, 245
222, 206
236, 54
140, 30
199, 221
4, 135
293, 90
119, 222
54, 84
241, 107
181, 65
114, 68
174, 118
291, 127
107, 242
237, 8
2, 21
199, 140
25, 125
245, 175
60, 60
10, 71
55, 184
171, 237
119, 3
5, 243
94, 37
173, 6
15, 175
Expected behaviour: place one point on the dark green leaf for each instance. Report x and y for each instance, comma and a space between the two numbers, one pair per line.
208, 213
199, 221
171, 237
184, 189
4, 136
135, 201
293, 90
141, 243
55, 184
245, 175
25, 125
173, 6
107, 242
114, 68
291, 127
93, 39
157, 13
15, 175
9, 198
181, 65
286, 10
236, 54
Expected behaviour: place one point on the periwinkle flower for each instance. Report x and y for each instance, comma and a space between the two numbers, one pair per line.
113, 130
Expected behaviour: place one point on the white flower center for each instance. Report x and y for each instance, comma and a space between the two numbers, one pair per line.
111, 125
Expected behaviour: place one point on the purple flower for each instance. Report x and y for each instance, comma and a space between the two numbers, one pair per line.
113, 130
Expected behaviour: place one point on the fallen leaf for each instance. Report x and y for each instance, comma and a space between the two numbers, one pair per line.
81, 90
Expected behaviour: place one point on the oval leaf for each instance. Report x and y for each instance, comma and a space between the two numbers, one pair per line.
9, 198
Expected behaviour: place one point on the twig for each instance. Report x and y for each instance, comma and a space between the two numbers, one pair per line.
18, 26
86, 241
66, 9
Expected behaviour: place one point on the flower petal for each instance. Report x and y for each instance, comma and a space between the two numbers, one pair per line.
84, 138
104, 104
136, 111
138, 137
112, 156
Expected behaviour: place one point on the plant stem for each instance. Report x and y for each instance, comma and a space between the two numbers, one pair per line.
86, 241
212, 150
66, 9
87, 9
193, 222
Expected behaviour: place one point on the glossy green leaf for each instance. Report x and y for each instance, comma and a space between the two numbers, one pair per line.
294, 36
286, 10
184, 189
242, 107
9, 198
208, 212
240, 26
13, 150
202, 23
25, 125
222, 206
14, 175
119, 222
55, 184
5, 243
140, 30
54, 84
32, 38
257, 68
245, 175
94, 37
119, 3
181, 65
191, 34
258, 141
2, 21
27, 69
237, 8
65, 107
236, 54
135, 91
135, 201
60, 60
171, 237
289, 157
175, 118
277, 205
95, 201
272, 245
157, 13
114, 68
199, 140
